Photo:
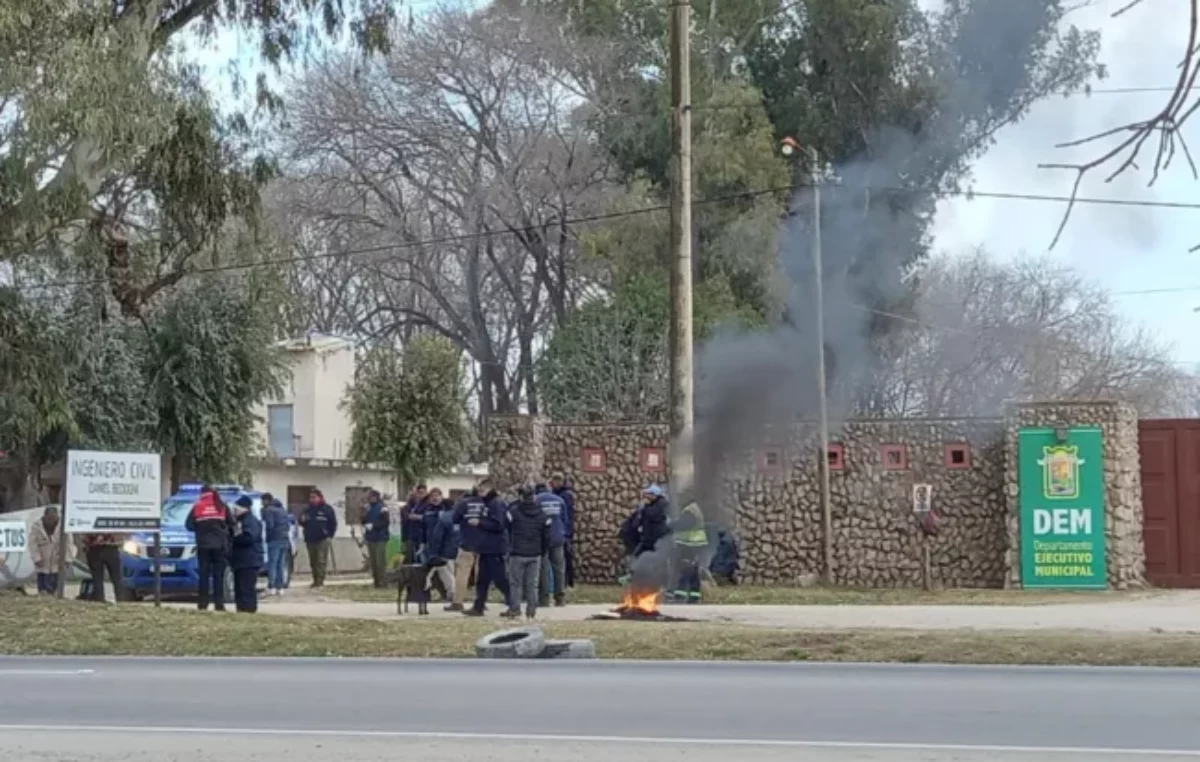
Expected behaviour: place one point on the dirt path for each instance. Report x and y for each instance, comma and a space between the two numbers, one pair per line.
1176, 612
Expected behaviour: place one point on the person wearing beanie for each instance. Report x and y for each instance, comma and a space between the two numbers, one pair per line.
247, 556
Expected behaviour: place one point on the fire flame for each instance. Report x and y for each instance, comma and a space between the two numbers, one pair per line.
644, 601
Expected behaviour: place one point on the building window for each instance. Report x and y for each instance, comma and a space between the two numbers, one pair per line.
281, 431
654, 459
958, 457
770, 459
297, 497
837, 457
594, 460
895, 457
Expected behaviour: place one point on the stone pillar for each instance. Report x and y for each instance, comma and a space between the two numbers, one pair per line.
1122, 482
515, 449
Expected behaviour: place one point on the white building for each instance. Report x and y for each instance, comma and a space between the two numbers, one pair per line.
307, 433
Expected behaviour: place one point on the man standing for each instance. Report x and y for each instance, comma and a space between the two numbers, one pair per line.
563, 487
653, 525
319, 522
552, 573
529, 527
410, 523
44, 543
212, 523
441, 547
103, 553
278, 527
470, 507
246, 557
484, 516
376, 528
691, 540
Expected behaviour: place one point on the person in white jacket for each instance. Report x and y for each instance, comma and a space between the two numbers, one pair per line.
45, 543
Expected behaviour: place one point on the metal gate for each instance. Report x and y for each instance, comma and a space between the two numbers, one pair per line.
1170, 455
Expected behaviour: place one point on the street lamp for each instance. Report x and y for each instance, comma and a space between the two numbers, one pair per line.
790, 147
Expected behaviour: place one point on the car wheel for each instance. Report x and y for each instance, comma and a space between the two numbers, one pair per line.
520, 643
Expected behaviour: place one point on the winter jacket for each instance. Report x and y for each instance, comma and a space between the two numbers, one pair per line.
247, 543
529, 529
654, 524
377, 523
277, 522
568, 517
319, 522
554, 507
430, 515
43, 547
487, 536
471, 506
211, 522
444, 536
631, 531
411, 527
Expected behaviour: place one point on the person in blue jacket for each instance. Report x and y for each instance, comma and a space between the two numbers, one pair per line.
246, 556
553, 574
565, 489
377, 532
442, 544
277, 526
319, 522
483, 518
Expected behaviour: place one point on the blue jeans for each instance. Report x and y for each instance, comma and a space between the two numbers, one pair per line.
277, 558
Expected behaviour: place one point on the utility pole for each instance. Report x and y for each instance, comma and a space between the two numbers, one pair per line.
682, 414
814, 169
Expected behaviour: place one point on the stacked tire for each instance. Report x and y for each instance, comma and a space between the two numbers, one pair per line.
531, 643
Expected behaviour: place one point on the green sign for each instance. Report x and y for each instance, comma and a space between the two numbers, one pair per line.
1062, 508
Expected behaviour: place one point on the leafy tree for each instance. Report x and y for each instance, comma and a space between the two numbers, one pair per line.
87, 88
35, 380
608, 361
210, 360
408, 408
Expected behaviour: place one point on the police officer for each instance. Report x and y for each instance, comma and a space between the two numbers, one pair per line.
212, 523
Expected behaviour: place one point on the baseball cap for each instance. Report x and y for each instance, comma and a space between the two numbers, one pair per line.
653, 489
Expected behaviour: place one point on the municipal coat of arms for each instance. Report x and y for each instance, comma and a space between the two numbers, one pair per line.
1060, 471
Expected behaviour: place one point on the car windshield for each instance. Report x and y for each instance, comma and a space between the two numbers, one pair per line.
175, 511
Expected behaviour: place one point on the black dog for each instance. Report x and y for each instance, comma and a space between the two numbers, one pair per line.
412, 588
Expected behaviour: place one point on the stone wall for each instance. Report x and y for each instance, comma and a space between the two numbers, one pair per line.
876, 539
1122, 481
771, 495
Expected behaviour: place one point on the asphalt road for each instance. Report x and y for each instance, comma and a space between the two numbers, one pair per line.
194, 710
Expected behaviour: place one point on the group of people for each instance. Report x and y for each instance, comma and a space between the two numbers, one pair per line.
231, 538
682, 542
521, 547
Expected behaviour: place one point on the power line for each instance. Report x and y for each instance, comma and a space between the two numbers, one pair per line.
467, 237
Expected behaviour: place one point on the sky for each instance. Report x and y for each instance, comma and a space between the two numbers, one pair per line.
1122, 249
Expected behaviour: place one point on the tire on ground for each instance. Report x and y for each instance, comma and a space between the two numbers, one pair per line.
569, 649
519, 643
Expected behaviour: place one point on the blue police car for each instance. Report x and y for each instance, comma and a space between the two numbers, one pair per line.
180, 568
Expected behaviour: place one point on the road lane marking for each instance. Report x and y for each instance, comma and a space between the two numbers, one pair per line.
615, 739
47, 672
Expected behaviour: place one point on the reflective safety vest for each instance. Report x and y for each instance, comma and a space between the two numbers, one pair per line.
695, 537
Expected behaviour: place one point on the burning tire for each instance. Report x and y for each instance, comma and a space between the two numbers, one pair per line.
569, 649
520, 643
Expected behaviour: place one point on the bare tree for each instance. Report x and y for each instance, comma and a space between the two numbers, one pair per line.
984, 334
1160, 133
454, 167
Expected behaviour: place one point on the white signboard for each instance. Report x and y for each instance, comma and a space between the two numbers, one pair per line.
922, 498
12, 536
113, 491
